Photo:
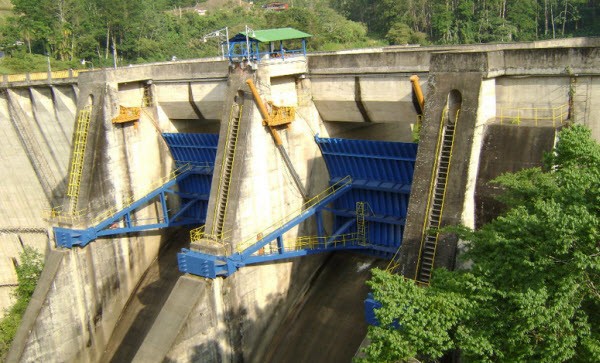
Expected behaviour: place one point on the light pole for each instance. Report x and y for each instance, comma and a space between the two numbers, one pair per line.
248, 30
48, 60
220, 34
84, 62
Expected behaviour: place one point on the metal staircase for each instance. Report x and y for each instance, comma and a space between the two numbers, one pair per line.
250, 251
227, 163
119, 222
79, 145
435, 204
361, 226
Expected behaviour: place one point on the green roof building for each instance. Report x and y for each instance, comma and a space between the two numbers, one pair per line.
257, 45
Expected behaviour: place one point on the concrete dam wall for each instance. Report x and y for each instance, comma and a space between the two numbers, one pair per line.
118, 299
37, 128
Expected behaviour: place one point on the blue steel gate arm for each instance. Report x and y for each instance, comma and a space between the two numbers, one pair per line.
66, 237
211, 266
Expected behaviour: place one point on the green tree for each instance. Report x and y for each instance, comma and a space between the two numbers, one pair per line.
532, 293
28, 273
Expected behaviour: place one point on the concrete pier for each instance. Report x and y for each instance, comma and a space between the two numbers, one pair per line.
506, 94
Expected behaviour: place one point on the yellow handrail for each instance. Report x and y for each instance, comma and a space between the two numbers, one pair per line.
228, 143
394, 264
249, 241
515, 115
37, 76
57, 214
79, 146
425, 232
42, 76
17, 77
313, 242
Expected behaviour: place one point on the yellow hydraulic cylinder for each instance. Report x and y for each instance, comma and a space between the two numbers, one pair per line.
414, 79
263, 111
267, 121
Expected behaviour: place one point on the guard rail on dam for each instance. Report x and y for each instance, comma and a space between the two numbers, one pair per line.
200, 153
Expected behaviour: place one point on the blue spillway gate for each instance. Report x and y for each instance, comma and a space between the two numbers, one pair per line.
198, 150
382, 175
378, 174
194, 156
375, 174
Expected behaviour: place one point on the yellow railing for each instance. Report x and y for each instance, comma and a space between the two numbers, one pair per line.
227, 155
59, 215
37, 76
313, 242
296, 213
539, 115
76, 72
281, 115
199, 233
79, 145
62, 74
17, 77
128, 201
42, 76
431, 196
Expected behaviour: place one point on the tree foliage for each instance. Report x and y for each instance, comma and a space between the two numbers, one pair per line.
156, 30
138, 31
28, 273
476, 21
532, 292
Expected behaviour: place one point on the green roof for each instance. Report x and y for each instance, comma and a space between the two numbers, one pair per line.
272, 35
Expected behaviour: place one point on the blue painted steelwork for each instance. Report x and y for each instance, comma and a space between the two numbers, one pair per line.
370, 305
210, 266
124, 221
192, 149
382, 176
242, 47
377, 173
194, 154
199, 150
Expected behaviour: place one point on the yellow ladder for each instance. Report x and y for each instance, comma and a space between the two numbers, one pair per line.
79, 145
227, 163
435, 203
361, 226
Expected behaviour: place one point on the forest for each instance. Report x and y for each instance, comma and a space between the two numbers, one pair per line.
89, 33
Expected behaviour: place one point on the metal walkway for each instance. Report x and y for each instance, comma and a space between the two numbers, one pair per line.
189, 186
368, 197
125, 221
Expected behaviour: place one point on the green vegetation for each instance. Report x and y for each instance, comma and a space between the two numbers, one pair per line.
473, 21
28, 272
532, 292
152, 30
140, 31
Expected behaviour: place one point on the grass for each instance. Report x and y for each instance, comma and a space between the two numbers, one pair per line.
28, 272
5, 8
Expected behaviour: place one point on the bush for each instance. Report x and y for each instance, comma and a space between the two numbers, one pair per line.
28, 273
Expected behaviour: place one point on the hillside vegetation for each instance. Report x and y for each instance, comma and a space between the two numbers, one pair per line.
138, 31
5, 9
531, 291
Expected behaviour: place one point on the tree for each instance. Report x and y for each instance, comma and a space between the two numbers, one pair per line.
532, 293
28, 273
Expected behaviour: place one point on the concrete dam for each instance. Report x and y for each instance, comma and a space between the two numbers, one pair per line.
189, 227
